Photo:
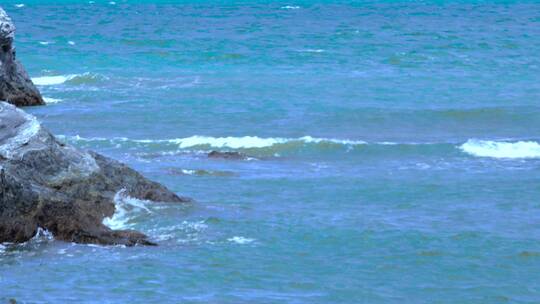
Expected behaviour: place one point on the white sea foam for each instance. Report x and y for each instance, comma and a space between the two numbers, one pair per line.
228, 142
245, 142
51, 100
45, 42
189, 172
42, 235
291, 7
52, 80
313, 50
126, 206
498, 149
240, 240
19, 5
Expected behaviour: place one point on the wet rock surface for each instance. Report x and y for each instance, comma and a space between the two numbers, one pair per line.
47, 184
16, 87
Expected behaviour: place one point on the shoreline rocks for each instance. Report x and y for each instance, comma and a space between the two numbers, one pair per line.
16, 87
47, 184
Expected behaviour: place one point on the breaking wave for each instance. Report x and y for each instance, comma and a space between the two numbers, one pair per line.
499, 149
240, 240
50, 100
126, 208
246, 142
85, 78
274, 146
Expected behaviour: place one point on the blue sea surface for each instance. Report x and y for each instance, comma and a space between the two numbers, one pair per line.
393, 149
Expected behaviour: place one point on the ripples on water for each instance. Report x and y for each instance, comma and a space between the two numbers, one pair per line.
392, 149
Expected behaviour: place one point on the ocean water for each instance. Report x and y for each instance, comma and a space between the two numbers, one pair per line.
394, 149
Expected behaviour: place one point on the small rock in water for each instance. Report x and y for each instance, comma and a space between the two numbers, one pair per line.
227, 155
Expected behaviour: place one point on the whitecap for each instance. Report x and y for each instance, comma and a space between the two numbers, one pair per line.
247, 142
188, 172
74, 79
19, 5
291, 7
244, 142
240, 240
500, 149
51, 80
71, 42
51, 100
45, 42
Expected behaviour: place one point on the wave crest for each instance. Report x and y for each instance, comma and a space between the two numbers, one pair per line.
245, 142
497, 149
76, 79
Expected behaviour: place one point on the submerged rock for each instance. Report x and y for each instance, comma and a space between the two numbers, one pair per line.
50, 185
227, 155
15, 85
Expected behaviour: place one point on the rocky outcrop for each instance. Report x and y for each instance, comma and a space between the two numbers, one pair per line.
15, 85
47, 184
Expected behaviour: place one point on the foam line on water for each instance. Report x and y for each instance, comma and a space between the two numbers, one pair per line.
245, 142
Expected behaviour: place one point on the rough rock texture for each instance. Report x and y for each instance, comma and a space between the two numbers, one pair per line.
15, 85
45, 183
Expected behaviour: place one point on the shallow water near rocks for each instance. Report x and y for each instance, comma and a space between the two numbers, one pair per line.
393, 149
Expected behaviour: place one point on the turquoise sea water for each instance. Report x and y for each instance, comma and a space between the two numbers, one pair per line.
394, 148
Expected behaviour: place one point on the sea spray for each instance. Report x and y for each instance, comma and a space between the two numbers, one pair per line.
126, 208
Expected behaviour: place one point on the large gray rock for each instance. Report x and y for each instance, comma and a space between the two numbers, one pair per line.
15, 85
47, 184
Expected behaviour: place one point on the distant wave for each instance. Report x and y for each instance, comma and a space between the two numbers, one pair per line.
312, 51
85, 78
266, 146
290, 7
245, 142
499, 149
